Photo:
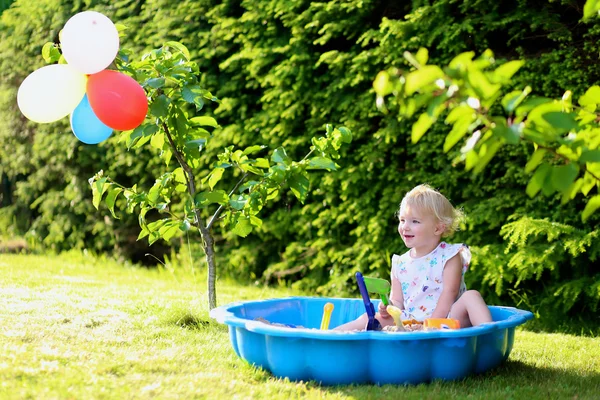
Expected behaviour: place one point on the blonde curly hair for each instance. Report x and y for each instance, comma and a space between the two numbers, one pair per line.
427, 199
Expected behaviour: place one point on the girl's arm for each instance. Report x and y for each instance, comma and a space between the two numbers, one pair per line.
451, 278
396, 297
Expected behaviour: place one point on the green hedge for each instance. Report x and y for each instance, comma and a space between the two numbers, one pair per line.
284, 68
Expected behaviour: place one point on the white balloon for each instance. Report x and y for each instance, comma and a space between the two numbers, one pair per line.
51, 93
89, 42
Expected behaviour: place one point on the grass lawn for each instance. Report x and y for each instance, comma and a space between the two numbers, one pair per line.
75, 327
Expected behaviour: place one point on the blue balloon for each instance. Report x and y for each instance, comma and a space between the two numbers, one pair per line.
86, 126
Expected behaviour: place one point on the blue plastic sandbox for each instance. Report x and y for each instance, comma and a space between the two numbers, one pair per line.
333, 358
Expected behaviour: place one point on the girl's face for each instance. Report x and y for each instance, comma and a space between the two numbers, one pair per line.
419, 230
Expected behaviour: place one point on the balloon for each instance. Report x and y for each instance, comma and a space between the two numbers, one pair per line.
117, 99
89, 42
51, 93
86, 126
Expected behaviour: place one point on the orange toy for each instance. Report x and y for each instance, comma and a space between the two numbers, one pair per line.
441, 323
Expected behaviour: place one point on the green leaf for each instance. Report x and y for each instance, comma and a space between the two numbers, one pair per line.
247, 185
280, 156
512, 100
247, 166
261, 163
591, 9
535, 160
572, 191
505, 72
591, 96
563, 122
422, 56
382, 84
481, 85
179, 175
98, 189
321, 163
462, 60
158, 140
121, 28
50, 53
509, 133
216, 196
156, 225
160, 106
563, 176
253, 149
142, 217
589, 182
420, 127
130, 136
154, 192
592, 205
346, 134
272, 193
193, 94
299, 185
238, 202
155, 83
538, 180
215, 176
462, 117
168, 230
590, 156
536, 116
533, 103
243, 227
255, 221
486, 153
143, 234
421, 78
427, 119
111, 197
180, 47
204, 121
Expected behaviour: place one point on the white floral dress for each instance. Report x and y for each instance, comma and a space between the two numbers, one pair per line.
421, 278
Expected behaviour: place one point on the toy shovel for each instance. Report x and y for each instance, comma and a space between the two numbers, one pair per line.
372, 324
379, 286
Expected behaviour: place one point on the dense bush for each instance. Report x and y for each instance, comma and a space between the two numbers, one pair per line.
283, 69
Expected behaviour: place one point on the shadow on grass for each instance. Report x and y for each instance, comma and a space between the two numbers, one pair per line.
194, 322
512, 379
522, 374
588, 326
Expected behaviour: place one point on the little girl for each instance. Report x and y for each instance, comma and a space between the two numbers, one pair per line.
427, 280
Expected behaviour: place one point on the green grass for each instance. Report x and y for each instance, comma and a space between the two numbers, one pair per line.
75, 327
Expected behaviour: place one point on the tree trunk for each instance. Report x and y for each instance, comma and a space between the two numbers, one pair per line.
209, 250
208, 241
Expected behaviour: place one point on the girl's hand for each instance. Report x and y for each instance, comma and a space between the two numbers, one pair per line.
383, 311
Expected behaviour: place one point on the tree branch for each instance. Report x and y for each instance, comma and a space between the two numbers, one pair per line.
189, 177
216, 214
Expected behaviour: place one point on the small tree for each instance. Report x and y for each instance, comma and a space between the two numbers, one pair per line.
176, 129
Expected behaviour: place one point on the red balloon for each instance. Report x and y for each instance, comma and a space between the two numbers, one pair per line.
117, 99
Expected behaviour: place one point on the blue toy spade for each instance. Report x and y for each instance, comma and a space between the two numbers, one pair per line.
372, 324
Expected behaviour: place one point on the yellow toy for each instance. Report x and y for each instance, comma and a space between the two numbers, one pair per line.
395, 312
326, 316
441, 323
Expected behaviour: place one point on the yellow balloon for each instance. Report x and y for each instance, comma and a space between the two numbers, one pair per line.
51, 93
